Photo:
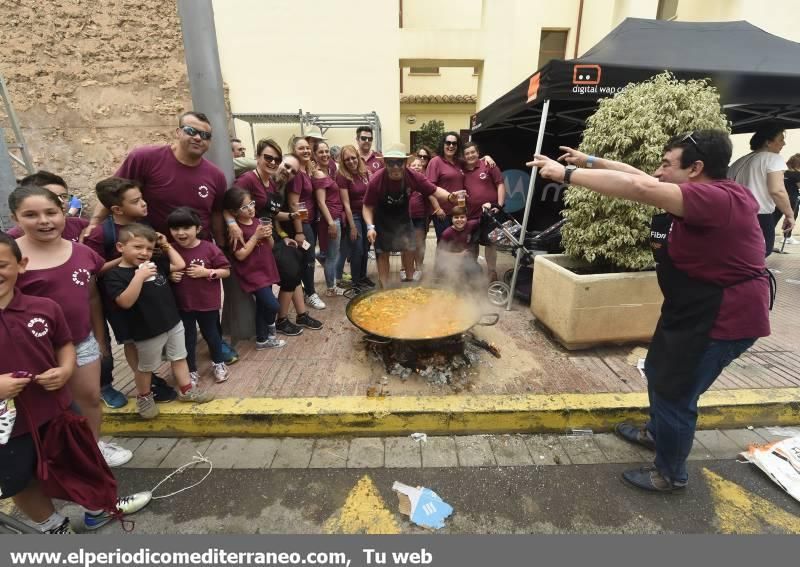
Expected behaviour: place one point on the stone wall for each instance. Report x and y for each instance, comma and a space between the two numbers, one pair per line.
92, 79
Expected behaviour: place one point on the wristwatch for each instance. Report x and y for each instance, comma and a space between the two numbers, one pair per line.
370, 227
212, 275
568, 173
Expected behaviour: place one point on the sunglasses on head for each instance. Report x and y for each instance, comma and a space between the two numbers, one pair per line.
689, 137
271, 159
395, 163
365, 138
190, 131
451, 142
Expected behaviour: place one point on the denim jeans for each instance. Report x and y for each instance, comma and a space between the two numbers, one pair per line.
673, 422
440, 225
331, 252
310, 259
355, 249
209, 328
266, 310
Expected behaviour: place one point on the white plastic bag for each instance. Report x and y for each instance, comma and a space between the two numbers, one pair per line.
780, 461
8, 415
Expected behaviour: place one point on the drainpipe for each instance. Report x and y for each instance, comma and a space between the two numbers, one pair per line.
578, 29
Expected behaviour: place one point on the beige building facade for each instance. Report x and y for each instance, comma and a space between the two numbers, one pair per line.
416, 60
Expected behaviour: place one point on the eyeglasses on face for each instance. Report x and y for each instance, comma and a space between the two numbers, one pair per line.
64, 197
365, 138
248, 207
451, 142
395, 163
190, 131
271, 159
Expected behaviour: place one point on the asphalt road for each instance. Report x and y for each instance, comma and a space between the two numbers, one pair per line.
723, 497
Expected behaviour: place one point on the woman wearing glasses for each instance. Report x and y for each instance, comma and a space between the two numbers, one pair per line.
445, 171
352, 181
55, 184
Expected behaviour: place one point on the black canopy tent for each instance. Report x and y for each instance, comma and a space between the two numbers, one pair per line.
757, 75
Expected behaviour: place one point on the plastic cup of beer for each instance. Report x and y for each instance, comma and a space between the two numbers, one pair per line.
303, 210
462, 198
263, 221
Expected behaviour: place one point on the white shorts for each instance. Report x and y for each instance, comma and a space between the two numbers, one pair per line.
87, 351
172, 344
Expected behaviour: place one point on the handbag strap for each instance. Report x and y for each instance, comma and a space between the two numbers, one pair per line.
41, 464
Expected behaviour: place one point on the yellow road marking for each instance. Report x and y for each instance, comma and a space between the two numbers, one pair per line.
364, 512
739, 511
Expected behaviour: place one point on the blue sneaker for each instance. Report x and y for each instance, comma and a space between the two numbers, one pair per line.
113, 398
229, 354
126, 505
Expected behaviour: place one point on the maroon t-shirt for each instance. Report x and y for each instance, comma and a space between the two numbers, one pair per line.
168, 184
333, 199
73, 227
446, 175
301, 185
374, 161
36, 328
97, 242
332, 169
380, 183
719, 241
258, 192
459, 240
481, 186
200, 294
68, 285
259, 269
356, 189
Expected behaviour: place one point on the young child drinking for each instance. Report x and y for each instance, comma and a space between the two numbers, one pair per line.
255, 265
124, 201
457, 246
197, 288
139, 286
65, 272
44, 359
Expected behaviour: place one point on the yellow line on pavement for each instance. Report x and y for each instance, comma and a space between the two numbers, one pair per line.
364, 512
441, 414
739, 511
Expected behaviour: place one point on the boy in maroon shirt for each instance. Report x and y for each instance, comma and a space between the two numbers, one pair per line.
457, 248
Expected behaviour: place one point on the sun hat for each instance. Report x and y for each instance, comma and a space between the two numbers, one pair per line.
313, 131
396, 151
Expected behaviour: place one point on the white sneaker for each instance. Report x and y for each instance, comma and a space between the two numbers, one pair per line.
194, 377
271, 342
792, 240
417, 275
220, 372
114, 455
315, 301
402, 274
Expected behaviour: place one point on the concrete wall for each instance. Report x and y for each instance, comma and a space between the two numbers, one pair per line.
90, 80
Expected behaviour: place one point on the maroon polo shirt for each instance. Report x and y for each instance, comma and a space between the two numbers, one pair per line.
356, 189
200, 294
380, 183
301, 185
459, 240
259, 269
374, 161
446, 175
333, 199
73, 227
258, 192
481, 186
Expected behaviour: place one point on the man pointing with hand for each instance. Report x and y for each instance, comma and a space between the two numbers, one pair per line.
709, 254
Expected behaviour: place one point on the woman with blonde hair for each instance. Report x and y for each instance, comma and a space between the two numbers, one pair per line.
352, 179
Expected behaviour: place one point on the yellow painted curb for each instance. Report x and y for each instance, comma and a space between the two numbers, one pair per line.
440, 415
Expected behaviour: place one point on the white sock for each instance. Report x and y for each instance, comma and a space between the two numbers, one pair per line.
53, 521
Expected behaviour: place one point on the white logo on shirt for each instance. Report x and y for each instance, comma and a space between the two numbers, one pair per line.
375, 165
198, 262
482, 175
81, 276
38, 327
203, 191
160, 280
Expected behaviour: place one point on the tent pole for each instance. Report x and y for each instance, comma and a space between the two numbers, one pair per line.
531, 187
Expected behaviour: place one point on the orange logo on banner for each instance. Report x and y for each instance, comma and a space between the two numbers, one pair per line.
586, 74
533, 87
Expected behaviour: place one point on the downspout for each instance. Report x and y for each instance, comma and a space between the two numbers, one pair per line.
578, 29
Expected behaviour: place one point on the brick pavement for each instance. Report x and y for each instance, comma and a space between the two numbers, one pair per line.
334, 361
436, 452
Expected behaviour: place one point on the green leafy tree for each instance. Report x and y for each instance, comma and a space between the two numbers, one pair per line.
632, 127
429, 134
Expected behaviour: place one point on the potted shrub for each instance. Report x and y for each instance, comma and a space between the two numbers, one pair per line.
604, 289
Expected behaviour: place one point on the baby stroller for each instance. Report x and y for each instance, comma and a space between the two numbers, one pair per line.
503, 231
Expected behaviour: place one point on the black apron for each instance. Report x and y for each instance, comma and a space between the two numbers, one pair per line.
688, 313
393, 222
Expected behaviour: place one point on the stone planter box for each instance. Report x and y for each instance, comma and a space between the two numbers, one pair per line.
587, 310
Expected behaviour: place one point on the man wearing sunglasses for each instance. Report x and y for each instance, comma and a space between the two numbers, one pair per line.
386, 214
709, 254
364, 137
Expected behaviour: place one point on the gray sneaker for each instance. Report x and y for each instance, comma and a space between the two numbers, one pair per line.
271, 342
146, 406
195, 396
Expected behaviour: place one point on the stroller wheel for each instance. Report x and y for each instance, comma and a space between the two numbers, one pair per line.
498, 293
507, 276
